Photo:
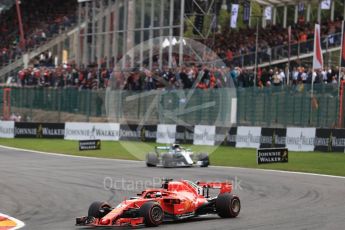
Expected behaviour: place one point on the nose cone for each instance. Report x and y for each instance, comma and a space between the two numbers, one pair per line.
105, 221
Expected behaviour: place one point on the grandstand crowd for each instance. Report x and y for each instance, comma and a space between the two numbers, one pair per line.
231, 45
134, 79
41, 21
44, 19
201, 77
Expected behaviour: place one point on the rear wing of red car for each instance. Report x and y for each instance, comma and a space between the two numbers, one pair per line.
222, 186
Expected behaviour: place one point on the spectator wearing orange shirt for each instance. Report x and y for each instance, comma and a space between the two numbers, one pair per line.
303, 38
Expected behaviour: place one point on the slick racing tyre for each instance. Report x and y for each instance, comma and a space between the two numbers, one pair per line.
152, 213
167, 161
99, 209
151, 160
204, 158
227, 205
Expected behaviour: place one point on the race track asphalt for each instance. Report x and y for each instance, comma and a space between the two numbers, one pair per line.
49, 191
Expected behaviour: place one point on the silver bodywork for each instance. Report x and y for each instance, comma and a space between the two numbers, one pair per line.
175, 156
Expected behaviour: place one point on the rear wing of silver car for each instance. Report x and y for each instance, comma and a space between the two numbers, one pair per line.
167, 148
161, 148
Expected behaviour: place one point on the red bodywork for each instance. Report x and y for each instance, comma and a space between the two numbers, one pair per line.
178, 199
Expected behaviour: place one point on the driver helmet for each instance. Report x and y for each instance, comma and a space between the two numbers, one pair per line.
176, 147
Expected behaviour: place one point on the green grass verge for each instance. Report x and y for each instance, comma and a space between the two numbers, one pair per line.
314, 162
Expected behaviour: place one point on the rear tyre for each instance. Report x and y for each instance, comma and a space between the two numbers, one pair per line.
204, 158
227, 205
151, 160
99, 209
152, 213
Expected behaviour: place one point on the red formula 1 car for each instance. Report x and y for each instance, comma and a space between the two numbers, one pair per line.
175, 200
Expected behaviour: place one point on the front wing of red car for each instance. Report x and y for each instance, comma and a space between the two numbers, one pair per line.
121, 222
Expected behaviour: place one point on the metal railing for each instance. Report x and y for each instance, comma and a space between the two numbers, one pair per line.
279, 54
270, 55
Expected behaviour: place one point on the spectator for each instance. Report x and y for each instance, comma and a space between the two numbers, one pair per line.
277, 80
41, 20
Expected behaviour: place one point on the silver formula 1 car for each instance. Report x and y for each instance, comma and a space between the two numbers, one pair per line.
176, 156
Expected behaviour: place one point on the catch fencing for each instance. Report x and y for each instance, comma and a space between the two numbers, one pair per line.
280, 106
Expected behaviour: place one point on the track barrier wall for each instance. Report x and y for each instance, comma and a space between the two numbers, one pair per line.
272, 107
293, 138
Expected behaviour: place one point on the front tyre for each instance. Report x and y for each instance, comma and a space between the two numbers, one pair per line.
228, 205
99, 209
152, 213
204, 159
151, 160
